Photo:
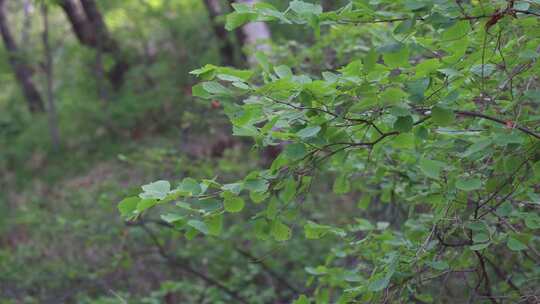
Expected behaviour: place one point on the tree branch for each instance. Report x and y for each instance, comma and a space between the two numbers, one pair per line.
282, 280
485, 278
497, 120
503, 276
184, 265
23, 72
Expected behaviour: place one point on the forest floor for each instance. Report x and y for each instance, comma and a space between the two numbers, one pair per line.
62, 220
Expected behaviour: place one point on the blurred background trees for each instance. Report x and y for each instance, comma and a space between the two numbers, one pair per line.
95, 100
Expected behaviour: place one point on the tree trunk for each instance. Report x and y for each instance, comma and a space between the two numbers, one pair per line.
90, 29
327, 5
48, 67
27, 22
226, 49
23, 72
253, 36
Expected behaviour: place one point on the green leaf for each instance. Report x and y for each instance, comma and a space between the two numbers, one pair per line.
364, 202
269, 12
302, 299
214, 224
379, 284
403, 124
244, 75
399, 111
313, 230
536, 169
457, 31
469, 184
532, 95
431, 168
190, 185
206, 72
308, 131
210, 71
442, 116
256, 185
320, 89
354, 68
404, 26
457, 48
258, 197
478, 226
439, 265
398, 58
236, 19
190, 233
263, 61
294, 151
330, 77
289, 190
145, 204
417, 89
515, 245
415, 5
370, 60
421, 132
261, 229
198, 225
521, 5
342, 184
283, 71
316, 271
505, 138
233, 203
480, 237
505, 209
128, 206
392, 95
241, 85
156, 190
198, 91
403, 141
234, 188
532, 221
363, 225
229, 78
215, 88
305, 8
478, 247
488, 69
248, 131
172, 217
280, 89
427, 67
478, 146
279, 231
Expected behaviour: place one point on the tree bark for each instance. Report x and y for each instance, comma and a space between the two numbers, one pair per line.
81, 28
48, 67
23, 72
90, 29
226, 50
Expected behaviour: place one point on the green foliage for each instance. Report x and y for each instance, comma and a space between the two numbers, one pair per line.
427, 111
89, 109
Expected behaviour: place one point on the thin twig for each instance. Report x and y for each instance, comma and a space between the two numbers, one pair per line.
184, 265
497, 120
